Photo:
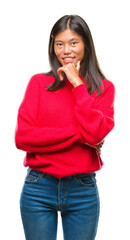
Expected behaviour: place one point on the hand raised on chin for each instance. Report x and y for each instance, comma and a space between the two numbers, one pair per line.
72, 73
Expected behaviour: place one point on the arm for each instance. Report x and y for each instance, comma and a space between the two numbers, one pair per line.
95, 115
32, 138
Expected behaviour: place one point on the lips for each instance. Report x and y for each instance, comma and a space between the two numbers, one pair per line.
68, 59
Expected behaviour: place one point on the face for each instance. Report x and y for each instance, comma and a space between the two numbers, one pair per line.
69, 47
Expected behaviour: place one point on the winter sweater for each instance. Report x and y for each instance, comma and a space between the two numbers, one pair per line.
53, 127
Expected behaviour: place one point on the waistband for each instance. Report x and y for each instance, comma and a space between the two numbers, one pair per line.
75, 176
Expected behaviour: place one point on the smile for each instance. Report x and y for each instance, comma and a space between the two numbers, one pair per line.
68, 59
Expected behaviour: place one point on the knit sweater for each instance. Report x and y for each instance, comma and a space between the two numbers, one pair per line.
53, 127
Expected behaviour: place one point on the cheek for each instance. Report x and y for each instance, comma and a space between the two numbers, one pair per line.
58, 55
80, 53
57, 52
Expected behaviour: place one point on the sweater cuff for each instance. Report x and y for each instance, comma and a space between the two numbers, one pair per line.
80, 92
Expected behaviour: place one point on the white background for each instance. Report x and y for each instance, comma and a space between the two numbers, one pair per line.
24, 29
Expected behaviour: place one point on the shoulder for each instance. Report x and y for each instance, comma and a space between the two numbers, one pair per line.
108, 90
39, 82
108, 85
41, 78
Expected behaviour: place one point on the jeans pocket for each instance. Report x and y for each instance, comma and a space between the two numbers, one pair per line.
87, 180
32, 177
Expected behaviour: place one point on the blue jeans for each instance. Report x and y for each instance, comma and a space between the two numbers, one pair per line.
76, 197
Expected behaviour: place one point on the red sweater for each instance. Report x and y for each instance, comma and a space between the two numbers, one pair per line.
53, 126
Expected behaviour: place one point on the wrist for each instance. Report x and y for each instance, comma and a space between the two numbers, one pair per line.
77, 83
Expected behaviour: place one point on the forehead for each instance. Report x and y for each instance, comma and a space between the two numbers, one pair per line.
67, 35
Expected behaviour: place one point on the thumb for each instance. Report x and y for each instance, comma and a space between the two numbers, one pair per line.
60, 71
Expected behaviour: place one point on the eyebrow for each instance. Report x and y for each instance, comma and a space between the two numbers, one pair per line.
73, 39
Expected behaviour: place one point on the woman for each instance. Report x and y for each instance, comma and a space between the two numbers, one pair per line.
62, 122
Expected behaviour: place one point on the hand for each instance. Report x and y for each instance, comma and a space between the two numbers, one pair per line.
72, 73
97, 147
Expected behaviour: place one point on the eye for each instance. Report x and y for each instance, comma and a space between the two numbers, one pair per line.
59, 44
74, 43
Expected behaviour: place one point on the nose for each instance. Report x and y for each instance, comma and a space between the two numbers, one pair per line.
67, 49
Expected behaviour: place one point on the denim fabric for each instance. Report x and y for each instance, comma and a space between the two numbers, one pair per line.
76, 197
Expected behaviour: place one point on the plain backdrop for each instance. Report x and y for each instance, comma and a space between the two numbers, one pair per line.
24, 33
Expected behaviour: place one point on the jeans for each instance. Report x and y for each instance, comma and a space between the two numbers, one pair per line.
76, 197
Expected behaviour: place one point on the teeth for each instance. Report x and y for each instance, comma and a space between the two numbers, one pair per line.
68, 59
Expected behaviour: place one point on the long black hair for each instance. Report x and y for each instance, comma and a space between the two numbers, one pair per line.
90, 70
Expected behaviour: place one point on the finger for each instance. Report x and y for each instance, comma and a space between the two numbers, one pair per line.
78, 66
60, 71
101, 144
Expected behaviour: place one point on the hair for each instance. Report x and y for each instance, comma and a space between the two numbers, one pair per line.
90, 70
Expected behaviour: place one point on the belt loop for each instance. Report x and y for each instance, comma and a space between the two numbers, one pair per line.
76, 176
29, 170
42, 174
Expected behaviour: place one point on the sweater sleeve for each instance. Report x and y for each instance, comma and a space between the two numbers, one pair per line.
32, 138
95, 115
